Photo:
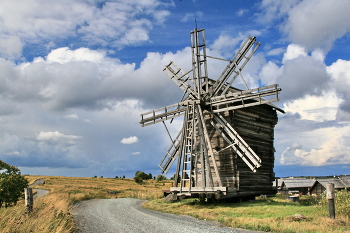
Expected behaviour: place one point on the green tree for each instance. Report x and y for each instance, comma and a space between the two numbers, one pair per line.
138, 179
160, 178
12, 184
142, 175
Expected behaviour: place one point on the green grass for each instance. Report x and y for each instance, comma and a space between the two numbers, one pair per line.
268, 214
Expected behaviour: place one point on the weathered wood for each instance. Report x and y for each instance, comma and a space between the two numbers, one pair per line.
28, 197
227, 135
330, 197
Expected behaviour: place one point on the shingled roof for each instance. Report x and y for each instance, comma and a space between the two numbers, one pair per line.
298, 182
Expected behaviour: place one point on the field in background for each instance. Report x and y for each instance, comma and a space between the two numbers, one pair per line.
51, 212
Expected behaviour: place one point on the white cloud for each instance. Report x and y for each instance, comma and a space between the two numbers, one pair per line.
334, 151
276, 51
310, 23
114, 23
72, 116
226, 44
191, 16
304, 22
315, 108
10, 46
135, 153
65, 55
55, 136
129, 140
294, 51
241, 12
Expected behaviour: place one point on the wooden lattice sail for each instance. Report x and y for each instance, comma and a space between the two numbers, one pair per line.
225, 146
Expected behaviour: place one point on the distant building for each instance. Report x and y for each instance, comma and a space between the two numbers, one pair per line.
342, 182
299, 186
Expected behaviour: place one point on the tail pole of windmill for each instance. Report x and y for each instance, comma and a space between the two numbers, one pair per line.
225, 147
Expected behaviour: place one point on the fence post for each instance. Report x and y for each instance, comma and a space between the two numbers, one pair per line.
330, 197
28, 196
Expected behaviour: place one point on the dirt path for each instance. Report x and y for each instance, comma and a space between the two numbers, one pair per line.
39, 192
127, 215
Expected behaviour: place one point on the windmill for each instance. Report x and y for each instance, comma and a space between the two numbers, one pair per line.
212, 157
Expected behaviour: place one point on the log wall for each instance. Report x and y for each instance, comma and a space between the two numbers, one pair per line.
256, 126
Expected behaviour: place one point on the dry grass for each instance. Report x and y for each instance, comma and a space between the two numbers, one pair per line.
51, 212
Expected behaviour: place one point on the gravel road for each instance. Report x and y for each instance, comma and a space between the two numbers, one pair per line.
127, 215
39, 192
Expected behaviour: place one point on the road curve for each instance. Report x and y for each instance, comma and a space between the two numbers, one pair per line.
127, 215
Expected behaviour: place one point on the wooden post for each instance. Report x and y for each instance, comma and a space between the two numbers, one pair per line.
330, 197
28, 196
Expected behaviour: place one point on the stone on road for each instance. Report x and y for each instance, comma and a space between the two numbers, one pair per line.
127, 215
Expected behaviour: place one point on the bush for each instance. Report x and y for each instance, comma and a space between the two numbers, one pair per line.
143, 175
12, 184
342, 202
160, 178
138, 179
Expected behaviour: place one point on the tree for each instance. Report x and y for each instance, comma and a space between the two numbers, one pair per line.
160, 178
143, 175
138, 179
12, 184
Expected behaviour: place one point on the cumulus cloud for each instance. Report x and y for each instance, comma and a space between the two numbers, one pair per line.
117, 23
10, 46
340, 72
333, 151
302, 24
85, 78
48, 149
129, 140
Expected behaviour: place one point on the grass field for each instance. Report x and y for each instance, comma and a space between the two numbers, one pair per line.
264, 214
51, 212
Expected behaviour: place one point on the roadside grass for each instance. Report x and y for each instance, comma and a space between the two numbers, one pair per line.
264, 214
51, 212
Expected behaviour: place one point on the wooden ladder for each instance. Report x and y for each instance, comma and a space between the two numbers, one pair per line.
186, 175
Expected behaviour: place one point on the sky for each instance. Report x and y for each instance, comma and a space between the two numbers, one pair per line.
75, 75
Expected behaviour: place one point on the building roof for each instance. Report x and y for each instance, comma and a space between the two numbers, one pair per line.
298, 182
338, 184
345, 180
279, 182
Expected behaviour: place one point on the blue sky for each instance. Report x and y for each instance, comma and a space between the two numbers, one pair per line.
76, 75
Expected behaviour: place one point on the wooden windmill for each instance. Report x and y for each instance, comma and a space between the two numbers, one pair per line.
227, 133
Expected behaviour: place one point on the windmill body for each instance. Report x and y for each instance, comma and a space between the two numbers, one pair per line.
225, 147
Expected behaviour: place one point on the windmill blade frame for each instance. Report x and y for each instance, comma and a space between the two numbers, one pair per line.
226, 140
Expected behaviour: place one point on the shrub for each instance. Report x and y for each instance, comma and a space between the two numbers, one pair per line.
342, 202
12, 184
143, 175
160, 178
138, 179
